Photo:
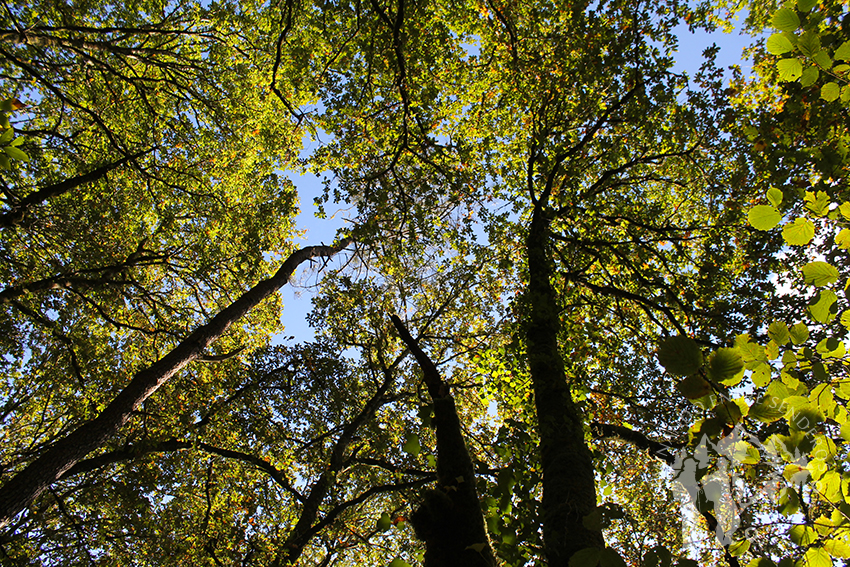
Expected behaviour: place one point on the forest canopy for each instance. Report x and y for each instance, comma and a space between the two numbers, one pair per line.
585, 309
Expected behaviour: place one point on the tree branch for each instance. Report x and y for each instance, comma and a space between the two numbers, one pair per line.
27, 484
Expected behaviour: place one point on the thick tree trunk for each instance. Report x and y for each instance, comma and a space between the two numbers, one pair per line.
569, 491
449, 520
24, 487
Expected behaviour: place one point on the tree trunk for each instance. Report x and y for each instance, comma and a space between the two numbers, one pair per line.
20, 491
569, 491
449, 520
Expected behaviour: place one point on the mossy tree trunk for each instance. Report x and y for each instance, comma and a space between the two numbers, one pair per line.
569, 492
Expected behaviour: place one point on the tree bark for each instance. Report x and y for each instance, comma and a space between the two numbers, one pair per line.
569, 491
20, 491
449, 520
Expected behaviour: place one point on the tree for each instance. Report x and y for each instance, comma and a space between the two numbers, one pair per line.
535, 197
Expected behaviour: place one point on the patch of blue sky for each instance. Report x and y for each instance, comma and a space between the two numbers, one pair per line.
689, 56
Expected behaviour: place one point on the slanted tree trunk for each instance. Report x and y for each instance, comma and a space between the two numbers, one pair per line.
20, 491
449, 520
569, 491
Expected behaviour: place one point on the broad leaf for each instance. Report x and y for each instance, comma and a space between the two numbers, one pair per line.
764, 217
778, 44
789, 69
725, 363
785, 19
820, 274
799, 232
680, 355
830, 91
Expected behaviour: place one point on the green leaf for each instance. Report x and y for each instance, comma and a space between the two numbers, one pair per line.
761, 375
411, 445
767, 410
4, 161
822, 60
774, 195
764, 217
798, 233
593, 521
803, 418
680, 355
837, 548
843, 52
785, 19
725, 363
7, 135
806, 5
738, 548
817, 557
789, 69
17, 141
778, 332
799, 333
728, 412
384, 522
778, 44
817, 202
588, 557
399, 563
843, 239
16, 153
802, 535
788, 502
810, 76
809, 44
830, 91
426, 414
820, 274
694, 387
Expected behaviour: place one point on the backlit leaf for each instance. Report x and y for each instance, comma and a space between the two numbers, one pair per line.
725, 363
778, 331
680, 355
785, 19
764, 217
820, 274
694, 387
809, 44
799, 233
411, 445
843, 52
778, 44
799, 333
830, 91
789, 69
